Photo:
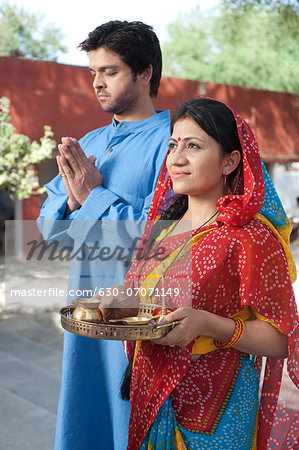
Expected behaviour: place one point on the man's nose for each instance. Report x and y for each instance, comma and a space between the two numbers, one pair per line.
99, 82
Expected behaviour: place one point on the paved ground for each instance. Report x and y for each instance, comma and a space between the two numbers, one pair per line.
30, 367
31, 341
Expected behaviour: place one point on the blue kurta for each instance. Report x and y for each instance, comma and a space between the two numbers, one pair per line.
129, 156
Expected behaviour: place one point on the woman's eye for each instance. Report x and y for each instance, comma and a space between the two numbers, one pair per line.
172, 146
192, 146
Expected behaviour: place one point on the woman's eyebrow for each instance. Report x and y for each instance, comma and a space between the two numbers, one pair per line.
187, 138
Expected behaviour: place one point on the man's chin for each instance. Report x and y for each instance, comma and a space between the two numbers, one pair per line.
109, 110
105, 106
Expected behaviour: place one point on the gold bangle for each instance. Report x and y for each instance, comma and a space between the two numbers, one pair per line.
237, 335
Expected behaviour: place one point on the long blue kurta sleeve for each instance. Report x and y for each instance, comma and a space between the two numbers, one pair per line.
129, 156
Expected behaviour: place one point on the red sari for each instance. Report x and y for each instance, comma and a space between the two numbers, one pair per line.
238, 266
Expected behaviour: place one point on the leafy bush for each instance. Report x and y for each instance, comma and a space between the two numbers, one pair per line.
18, 156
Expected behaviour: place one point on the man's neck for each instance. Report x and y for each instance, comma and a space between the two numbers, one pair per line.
140, 112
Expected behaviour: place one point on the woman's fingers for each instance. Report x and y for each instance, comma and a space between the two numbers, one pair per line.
178, 314
190, 326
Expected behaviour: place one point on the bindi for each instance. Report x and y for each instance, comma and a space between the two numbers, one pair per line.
179, 139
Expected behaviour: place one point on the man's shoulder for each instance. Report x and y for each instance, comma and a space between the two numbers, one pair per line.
156, 125
97, 131
162, 117
94, 134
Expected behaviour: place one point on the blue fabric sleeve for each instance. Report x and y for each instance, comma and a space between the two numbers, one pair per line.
130, 173
100, 204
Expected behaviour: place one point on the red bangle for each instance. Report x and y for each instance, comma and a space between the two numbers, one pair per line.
236, 337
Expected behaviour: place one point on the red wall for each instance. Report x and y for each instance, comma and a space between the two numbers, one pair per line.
274, 117
62, 96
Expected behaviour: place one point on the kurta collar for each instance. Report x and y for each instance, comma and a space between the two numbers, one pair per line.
146, 124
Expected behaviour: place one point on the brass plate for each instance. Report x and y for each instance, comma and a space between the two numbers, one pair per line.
136, 320
111, 331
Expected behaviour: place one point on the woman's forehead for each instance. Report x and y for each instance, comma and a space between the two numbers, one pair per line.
186, 128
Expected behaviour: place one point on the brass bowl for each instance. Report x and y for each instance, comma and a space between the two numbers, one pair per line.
87, 314
86, 302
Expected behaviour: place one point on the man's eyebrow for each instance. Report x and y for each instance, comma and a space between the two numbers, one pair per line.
101, 68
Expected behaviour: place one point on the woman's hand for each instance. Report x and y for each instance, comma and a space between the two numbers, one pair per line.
190, 327
259, 338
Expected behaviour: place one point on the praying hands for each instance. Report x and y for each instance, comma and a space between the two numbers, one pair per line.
79, 174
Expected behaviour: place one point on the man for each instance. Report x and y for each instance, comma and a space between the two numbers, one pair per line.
106, 178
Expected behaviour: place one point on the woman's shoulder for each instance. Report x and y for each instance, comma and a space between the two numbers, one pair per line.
253, 233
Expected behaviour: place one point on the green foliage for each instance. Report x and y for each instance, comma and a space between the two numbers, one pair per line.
289, 9
21, 34
187, 53
247, 43
18, 156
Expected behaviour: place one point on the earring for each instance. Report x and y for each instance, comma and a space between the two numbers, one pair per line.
235, 186
225, 184
226, 187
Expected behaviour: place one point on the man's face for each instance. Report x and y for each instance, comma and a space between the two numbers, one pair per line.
116, 90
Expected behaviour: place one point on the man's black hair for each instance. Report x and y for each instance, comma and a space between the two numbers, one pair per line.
136, 44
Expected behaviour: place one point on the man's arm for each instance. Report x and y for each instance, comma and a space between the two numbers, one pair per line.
102, 203
129, 181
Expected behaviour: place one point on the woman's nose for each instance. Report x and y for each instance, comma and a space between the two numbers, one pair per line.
178, 156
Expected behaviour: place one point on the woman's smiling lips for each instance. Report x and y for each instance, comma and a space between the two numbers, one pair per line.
179, 174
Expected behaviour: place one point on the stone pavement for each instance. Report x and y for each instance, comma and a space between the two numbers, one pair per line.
31, 342
30, 367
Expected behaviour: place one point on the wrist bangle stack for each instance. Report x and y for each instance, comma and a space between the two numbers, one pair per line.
236, 337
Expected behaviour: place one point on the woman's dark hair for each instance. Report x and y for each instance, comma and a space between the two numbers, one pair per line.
215, 118
136, 44
218, 121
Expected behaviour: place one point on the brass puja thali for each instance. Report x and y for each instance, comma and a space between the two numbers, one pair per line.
120, 316
115, 331
117, 314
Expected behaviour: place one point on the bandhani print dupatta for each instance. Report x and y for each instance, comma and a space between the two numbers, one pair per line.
242, 261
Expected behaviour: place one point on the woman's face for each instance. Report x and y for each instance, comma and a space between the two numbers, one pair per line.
195, 163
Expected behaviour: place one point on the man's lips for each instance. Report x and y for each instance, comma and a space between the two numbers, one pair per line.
101, 95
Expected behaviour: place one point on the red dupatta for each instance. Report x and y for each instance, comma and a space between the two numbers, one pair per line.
239, 262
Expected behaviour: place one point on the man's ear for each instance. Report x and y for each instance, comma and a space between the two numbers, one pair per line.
231, 162
146, 75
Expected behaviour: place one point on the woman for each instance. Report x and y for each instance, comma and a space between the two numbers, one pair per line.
226, 274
